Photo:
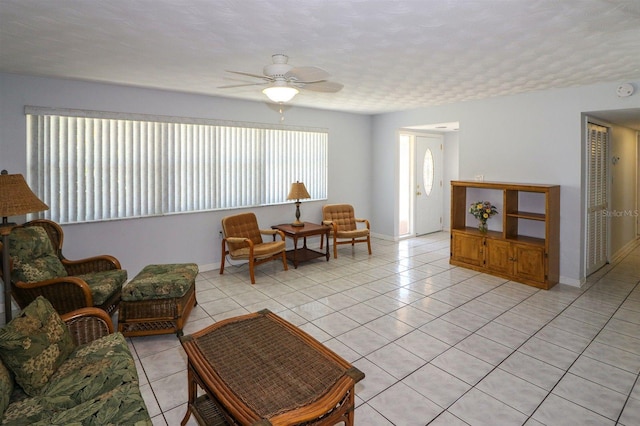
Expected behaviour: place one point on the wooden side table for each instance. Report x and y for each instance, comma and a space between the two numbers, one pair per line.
304, 253
259, 369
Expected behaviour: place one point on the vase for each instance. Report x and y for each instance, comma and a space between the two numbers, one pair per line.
482, 227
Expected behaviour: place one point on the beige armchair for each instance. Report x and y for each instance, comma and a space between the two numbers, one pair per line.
343, 222
243, 241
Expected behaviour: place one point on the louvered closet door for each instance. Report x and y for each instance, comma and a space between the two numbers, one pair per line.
597, 196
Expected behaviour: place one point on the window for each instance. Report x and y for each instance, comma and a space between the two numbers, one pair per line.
406, 185
428, 171
90, 166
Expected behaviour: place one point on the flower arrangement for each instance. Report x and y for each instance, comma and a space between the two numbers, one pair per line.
483, 210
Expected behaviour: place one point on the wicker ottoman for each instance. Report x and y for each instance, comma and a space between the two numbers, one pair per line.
158, 300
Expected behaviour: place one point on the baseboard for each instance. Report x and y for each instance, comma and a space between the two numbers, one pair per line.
384, 237
208, 267
572, 281
625, 250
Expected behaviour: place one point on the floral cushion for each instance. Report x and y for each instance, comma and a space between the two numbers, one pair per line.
6, 388
33, 256
34, 344
96, 385
161, 282
104, 283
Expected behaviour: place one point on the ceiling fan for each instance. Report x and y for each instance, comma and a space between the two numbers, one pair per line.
284, 80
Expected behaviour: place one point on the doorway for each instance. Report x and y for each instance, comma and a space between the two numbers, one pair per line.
420, 202
597, 189
620, 158
428, 178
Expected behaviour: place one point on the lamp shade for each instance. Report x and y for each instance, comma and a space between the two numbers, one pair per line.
298, 192
280, 93
16, 198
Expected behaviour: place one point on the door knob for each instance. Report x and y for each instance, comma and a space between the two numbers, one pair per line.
418, 193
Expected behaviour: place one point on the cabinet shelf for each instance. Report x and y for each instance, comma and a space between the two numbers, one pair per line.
530, 259
527, 240
474, 231
528, 215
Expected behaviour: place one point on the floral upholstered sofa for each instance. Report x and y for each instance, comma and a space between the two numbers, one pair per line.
69, 369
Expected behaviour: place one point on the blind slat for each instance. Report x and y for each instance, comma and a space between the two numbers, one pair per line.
89, 168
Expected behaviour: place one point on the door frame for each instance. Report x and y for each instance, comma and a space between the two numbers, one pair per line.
637, 212
592, 120
413, 134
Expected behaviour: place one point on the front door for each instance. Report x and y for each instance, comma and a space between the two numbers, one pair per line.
428, 179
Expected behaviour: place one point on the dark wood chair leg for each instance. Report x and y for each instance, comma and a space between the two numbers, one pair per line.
251, 272
223, 255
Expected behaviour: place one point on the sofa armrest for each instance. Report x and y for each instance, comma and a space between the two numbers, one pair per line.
332, 224
91, 264
237, 240
365, 221
273, 232
65, 293
88, 324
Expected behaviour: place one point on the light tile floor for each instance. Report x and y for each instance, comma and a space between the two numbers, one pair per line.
439, 345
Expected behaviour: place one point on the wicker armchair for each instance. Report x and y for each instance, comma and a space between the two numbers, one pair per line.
243, 241
341, 218
40, 269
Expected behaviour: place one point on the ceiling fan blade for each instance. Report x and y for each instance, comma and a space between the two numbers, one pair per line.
264, 77
242, 85
307, 74
323, 86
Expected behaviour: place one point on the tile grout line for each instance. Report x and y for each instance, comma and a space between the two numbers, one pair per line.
578, 357
450, 286
498, 365
529, 338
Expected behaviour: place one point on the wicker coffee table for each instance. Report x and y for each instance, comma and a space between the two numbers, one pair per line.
258, 369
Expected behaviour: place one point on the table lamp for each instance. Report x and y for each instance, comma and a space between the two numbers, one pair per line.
16, 199
298, 192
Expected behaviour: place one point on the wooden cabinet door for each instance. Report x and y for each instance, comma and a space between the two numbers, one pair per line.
529, 262
467, 248
498, 256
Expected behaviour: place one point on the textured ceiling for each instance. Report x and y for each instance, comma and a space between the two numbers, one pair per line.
390, 55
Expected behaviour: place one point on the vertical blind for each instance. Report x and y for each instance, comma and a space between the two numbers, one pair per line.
91, 166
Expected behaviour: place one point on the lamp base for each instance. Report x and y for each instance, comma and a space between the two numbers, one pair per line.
297, 223
5, 230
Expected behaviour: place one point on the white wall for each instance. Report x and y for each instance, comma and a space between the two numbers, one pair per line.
533, 137
190, 237
451, 172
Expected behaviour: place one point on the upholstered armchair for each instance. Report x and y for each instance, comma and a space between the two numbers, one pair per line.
40, 269
344, 226
243, 241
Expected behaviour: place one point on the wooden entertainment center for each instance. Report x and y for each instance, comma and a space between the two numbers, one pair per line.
527, 247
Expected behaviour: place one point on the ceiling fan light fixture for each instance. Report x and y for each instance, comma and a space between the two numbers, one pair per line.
280, 94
